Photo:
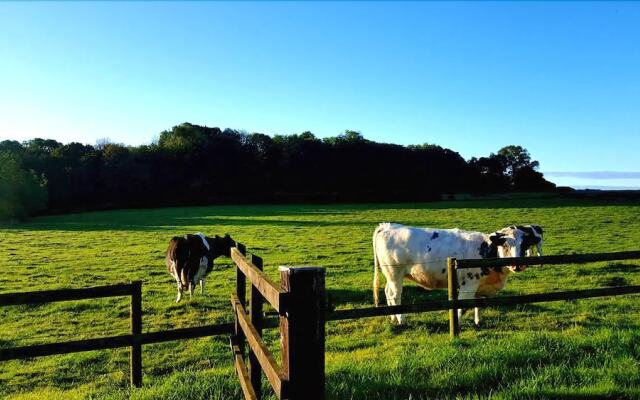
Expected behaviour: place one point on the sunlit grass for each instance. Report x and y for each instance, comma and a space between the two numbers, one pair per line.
588, 348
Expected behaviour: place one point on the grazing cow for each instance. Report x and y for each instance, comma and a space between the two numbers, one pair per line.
190, 258
420, 254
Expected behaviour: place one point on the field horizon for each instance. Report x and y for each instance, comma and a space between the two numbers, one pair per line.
578, 349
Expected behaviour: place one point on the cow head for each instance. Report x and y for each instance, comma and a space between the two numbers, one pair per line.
221, 245
510, 243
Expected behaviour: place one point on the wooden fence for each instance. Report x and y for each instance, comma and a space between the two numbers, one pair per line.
134, 340
299, 301
453, 303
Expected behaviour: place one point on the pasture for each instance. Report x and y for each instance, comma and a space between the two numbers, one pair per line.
586, 348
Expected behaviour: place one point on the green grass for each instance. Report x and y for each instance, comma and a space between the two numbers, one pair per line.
586, 349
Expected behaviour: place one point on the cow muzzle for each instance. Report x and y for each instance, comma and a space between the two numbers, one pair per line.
517, 268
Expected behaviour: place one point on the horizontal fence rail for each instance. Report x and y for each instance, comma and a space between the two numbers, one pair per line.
51, 296
242, 372
267, 288
442, 305
134, 340
112, 342
76, 346
548, 260
272, 371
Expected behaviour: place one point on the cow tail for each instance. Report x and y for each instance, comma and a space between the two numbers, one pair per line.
183, 277
376, 267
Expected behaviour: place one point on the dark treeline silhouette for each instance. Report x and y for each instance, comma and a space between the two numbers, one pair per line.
192, 164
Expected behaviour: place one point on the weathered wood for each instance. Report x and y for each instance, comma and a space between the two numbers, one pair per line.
135, 356
241, 292
303, 332
50, 296
269, 290
452, 277
111, 342
243, 375
441, 305
549, 260
255, 312
76, 346
272, 371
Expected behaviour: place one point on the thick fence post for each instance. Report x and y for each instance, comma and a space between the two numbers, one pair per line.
452, 276
135, 359
241, 291
302, 330
257, 302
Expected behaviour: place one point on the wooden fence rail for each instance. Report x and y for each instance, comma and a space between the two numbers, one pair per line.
51, 296
299, 301
442, 305
548, 260
134, 341
113, 342
454, 265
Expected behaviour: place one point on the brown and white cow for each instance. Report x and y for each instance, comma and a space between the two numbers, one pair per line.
190, 258
420, 255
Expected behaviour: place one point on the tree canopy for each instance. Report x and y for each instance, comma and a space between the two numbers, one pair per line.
192, 164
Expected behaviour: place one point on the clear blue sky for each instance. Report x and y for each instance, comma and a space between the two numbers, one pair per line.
561, 79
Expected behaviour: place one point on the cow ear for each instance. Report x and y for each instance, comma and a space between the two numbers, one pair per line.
497, 239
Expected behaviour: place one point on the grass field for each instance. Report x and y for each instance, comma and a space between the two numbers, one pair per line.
582, 349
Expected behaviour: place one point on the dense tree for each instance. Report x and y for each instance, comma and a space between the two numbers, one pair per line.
191, 164
22, 192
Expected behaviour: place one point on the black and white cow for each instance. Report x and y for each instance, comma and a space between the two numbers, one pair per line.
190, 258
532, 236
420, 255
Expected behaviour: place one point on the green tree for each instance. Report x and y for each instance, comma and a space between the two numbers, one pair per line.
516, 158
22, 192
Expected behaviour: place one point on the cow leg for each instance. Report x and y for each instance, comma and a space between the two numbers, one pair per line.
202, 286
476, 317
468, 295
539, 250
393, 291
190, 290
179, 286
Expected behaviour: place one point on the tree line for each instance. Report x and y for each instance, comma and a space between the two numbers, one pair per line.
191, 165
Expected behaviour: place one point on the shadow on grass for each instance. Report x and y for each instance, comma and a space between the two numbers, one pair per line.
170, 219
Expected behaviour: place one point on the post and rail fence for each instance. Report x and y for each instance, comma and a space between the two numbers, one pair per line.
300, 302
452, 304
134, 340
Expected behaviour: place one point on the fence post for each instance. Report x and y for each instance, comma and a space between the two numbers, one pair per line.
241, 291
452, 277
135, 359
302, 330
257, 301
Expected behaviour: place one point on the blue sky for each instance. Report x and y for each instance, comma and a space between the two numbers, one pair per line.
561, 79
